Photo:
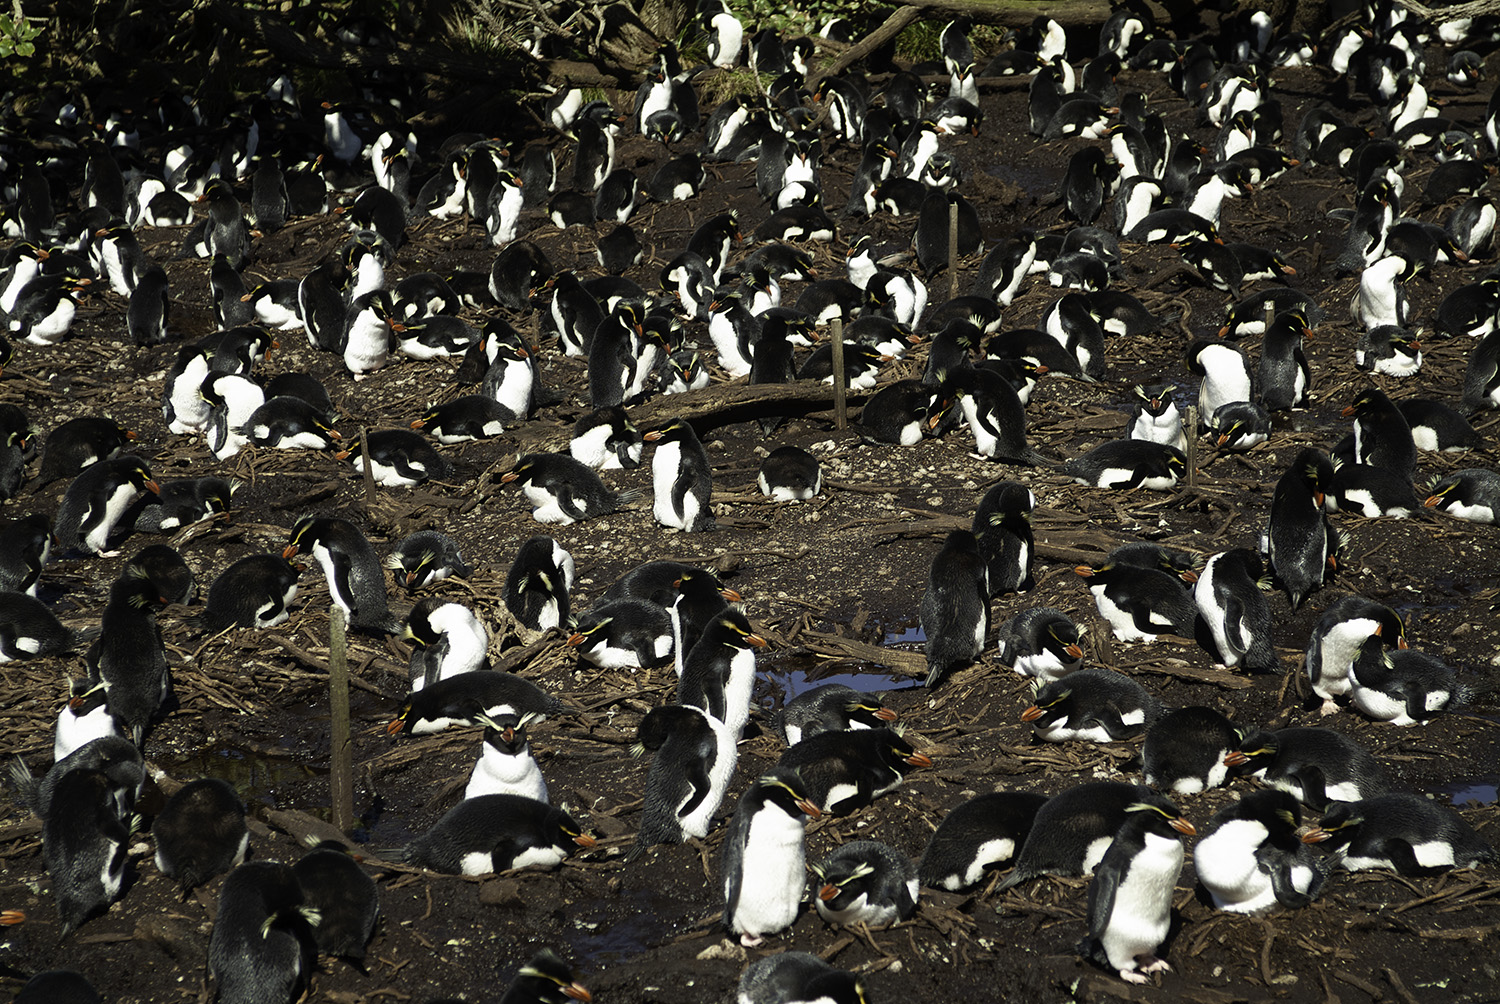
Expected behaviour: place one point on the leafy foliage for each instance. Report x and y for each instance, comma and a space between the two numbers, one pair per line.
18, 34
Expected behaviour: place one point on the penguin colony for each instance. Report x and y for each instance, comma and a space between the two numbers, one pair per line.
715, 310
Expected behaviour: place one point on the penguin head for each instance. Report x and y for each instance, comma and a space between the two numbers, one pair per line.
1255, 751
1050, 703
896, 752
523, 472
675, 431
1064, 635
135, 588
587, 628
506, 733
837, 874
1338, 826
783, 787
735, 632
138, 474
1160, 816
547, 979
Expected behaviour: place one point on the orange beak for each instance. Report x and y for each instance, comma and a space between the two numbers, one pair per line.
1074, 651
1031, 714
1084, 570
828, 892
919, 760
756, 640
575, 640
1235, 759
731, 595
809, 808
1315, 836
1181, 825
153, 487
289, 552
394, 727
886, 715
584, 840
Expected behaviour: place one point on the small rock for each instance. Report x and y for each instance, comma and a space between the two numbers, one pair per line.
501, 892
725, 949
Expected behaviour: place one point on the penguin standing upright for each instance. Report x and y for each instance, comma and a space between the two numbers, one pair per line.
1252, 858
694, 759
1130, 898
200, 833
1002, 525
1300, 542
1382, 434
128, 657
994, 414
262, 949
1284, 376
356, 581
97, 499
150, 307
538, 585
1225, 371
84, 844
1156, 418
1234, 608
345, 897
762, 868
956, 607
506, 765
682, 478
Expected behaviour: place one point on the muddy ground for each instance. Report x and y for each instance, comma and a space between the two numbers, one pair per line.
851, 564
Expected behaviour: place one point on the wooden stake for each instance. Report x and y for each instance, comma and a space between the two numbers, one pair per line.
341, 750
364, 455
840, 402
952, 250
1192, 445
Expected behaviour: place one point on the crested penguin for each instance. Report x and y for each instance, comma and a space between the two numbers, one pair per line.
1382, 435
84, 845
424, 558
1140, 603
1041, 642
506, 765
128, 657
977, 836
1225, 371
464, 419
538, 585
96, 501
625, 633
1002, 526
1300, 542
1472, 494
1230, 601
262, 946
955, 612
200, 833
1403, 686
694, 758
1185, 750
356, 582
831, 707
346, 899
1251, 857
762, 864
1336, 640
1406, 834
448, 640
29, 629
1091, 705
845, 771
495, 833
866, 882
790, 474
255, 592
1284, 376
1073, 829
460, 700
795, 978
399, 458
682, 478
1156, 418
562, 490
1124, 464
1315, 766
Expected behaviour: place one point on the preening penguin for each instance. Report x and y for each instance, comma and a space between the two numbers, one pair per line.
84, 843
1336, 639
1041, 642
1251, 857
689, 773
956, 607
356, 581
1230, 601
262, 949
200, 833
797, 978
866, 882
345, 897
539, 583
448, 639
253, 592
1186, 750
425, 557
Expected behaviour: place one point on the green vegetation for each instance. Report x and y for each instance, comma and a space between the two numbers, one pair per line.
18, 33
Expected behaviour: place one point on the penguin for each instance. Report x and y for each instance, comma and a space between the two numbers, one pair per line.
1225, 371
465, 419
1041, 642
977, 836
1002, 526
1389, 349
1092, 705
994, 414
180, 503
694, 758
289, 423
511, 379
496, 833
200, 833
1382, 435
96, 501
1435, 426
1472, 494
1249, 316
1140, 603
78, 444
84, 845
224, 230
1337, 639
866, 882
44, 311
254, 592
448, 640
955, 612
562, 490
25, 549
118, 758
58, 986
369, 327
128, 657
625, 633
1403, 687
460, 700
1381, 298
170, 577
1185, 750
1482, 376
424, 558
620, 249
150, 307
844, 771
506, 765
1124, 464
346, 899
1371, 492
762, 864
790, 474
502, 216
1407, 834
84, 717
262, 947
1284, 376
1174, 561
545, 979
1300, 542
1156, 418
682, 478
1240, 425
356, 583
831, 707
1230, 601
797, 978
680, 178
1130, 898
538, 585
1316, 766
1073, 324
321, 306
1251, 858
399, 458
718, 672
1072, 830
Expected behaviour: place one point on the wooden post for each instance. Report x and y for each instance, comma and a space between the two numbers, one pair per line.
840, 404
1192, 446
341, 751
952, 249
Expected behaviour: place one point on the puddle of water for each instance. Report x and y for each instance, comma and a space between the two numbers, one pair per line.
909, 634
781, 678
1472, 793
254, 776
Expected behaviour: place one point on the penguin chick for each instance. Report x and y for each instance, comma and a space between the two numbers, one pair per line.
345, 897
1251, 857
1130, 898
200, 833
955, 612
1316, 766
1092, 705
424, 558
866, 882
1406, 834
762, 865
495, 833
984, 833
844, 771
832, 707
1185, 750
